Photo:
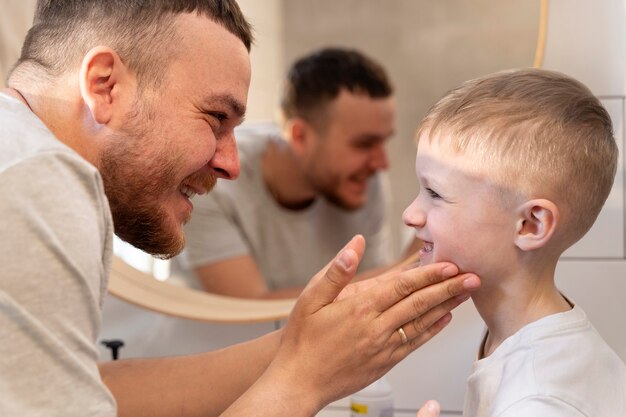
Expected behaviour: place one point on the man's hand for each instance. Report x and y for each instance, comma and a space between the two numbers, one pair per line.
333, 346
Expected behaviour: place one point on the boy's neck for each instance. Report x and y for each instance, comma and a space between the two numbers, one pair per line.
507, 304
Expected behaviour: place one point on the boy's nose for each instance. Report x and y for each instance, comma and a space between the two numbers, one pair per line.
413, 216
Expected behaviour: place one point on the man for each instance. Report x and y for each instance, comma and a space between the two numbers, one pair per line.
305, 191
116, 114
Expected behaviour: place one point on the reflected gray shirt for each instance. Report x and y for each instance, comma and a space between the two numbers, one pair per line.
242, 218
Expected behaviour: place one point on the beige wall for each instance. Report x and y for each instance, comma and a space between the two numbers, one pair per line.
267, 56
16, 17
427, 46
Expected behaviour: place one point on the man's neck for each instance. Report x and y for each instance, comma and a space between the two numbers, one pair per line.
284, 177
59, 112
507, 304
15, 93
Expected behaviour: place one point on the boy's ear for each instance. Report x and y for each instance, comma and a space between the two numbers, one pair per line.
536, 224
102, 74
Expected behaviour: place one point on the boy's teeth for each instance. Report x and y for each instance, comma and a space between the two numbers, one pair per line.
428, 247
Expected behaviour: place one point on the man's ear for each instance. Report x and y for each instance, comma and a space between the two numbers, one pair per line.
536, 224
299, 134
101, 74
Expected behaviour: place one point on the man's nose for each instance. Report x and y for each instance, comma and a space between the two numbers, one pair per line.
225, 162
379, 159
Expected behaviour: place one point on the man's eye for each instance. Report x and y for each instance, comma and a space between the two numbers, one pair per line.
220, 116
216, 120
432, 193
216, 116
364, 145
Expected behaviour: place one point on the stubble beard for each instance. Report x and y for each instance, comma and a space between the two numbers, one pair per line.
328, 186
134, 192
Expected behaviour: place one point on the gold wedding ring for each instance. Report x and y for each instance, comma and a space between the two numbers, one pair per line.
402, 335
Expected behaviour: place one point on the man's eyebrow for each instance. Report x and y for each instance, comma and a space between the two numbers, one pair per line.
372, 138
235, 106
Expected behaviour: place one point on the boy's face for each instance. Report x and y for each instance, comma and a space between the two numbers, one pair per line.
459, 214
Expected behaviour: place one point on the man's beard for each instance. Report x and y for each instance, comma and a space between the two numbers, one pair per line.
328, 188
135, 189
133, 197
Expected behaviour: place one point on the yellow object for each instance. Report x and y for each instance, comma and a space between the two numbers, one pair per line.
359, 408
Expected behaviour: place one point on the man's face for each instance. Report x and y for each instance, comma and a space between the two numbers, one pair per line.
459, 213
350, 147
179, 141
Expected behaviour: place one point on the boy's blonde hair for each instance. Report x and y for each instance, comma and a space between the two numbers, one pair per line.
538, 132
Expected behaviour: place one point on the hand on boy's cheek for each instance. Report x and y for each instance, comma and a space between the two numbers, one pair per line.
357, 287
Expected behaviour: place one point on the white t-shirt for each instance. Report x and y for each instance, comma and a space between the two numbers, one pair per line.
55, 254
242, 218
558, 366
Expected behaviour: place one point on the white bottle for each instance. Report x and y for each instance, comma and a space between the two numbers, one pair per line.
375, 400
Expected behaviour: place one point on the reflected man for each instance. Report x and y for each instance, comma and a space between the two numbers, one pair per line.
304, 191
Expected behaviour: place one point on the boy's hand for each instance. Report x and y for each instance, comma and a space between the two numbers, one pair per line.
429, 409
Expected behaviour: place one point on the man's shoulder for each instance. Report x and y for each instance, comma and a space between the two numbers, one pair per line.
252, 138
25, 138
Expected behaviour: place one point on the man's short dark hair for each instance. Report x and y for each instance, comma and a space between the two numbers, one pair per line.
318, 78
141, 31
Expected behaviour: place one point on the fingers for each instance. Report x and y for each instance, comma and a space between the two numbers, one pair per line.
397, 285
403, 349
430, 409
424, 326
429, 304
417, 329
328, 283
409, 304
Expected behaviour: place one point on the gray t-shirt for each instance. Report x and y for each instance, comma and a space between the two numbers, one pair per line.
55, 254
242, 218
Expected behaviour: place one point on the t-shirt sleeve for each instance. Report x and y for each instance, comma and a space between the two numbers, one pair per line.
56, 231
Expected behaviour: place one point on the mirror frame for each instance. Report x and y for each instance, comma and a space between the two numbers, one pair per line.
143, 290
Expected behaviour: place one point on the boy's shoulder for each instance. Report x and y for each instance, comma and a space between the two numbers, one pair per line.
560, 359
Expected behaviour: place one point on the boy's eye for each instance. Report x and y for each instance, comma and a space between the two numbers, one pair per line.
432, 193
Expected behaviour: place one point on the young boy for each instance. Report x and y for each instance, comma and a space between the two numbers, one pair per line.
513, 169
